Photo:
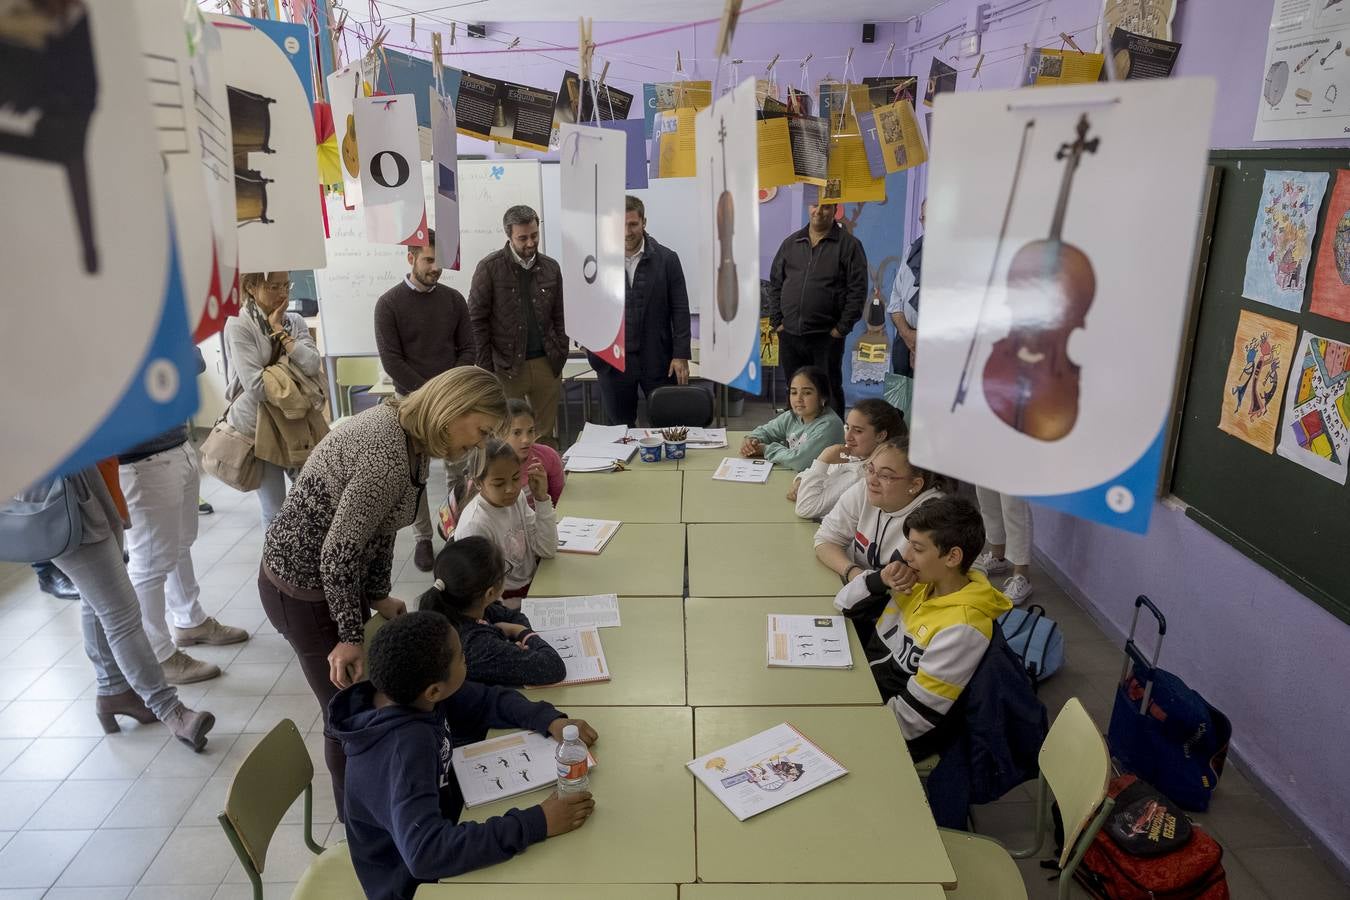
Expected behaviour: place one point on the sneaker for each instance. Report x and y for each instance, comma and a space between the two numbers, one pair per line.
204, 508
52, 580
183, 669
991, 565
209, 632
424, 557
1017, 589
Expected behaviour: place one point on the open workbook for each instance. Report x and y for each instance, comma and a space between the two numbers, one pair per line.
581, 652
505, 766
552, 613
808, 642
748, 471
765, 770
577, 535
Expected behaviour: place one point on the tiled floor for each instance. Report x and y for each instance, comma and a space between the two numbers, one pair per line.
132, 815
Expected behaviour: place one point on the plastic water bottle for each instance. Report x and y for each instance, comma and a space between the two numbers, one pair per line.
573, 763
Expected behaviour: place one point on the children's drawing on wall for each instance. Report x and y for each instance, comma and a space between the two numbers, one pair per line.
1316, 430
1257, 371
1331, 278
1282, 237
871, 355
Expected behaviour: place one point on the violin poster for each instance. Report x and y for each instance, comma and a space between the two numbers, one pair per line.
85, 229
1316, 431
1049, 332
1331, 278
728, 192
592, 175
1282, 238
391, 182
1254, 389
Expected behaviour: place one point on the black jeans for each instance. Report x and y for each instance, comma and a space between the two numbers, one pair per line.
821, 350
619, 390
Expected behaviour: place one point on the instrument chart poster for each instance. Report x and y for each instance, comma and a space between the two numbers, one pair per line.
728, 191
1306, 94
592, 180
391, 171
1331, 279
85, 227
1048, 351
278, 205
1282, 238
1316, 430
1254, 388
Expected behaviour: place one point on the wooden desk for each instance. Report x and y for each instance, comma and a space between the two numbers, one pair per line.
724, 644
707, 460
639, 561
576, 891
706, 500
382, 389
645, 655
814, 838
706, 891
644, 494
751, 560
642, 831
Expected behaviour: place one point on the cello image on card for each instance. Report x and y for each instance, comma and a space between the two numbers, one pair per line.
728, 283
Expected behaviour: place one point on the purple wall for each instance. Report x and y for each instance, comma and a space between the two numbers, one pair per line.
1273, 660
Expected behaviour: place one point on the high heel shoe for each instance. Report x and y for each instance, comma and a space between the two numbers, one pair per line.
128, 703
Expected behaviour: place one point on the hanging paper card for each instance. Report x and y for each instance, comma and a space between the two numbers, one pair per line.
613, 106
635, 162
1262, 351
1140, 56
391, 190
1331, 280
848, 178
592, 180
941, 80
85, 246
676, 148
1316, 430
278, 204
192, 121
344, 86
810, 148
1282, 238
728, 192
775, 153
892, 139
1028, 322
445, 164
1058, 67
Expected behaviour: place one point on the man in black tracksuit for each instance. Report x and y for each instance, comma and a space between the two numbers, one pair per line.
817, 287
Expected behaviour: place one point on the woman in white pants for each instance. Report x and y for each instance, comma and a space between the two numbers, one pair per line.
1007, 527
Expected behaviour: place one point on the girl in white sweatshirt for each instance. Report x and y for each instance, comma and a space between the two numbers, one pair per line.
501, 512
866, 529
869, 424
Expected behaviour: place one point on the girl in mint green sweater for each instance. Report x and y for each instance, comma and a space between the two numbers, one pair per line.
801, 433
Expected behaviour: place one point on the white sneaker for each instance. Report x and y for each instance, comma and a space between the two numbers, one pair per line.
1017, 589
991, 565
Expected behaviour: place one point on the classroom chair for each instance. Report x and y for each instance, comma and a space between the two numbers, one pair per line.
356, 374
1075, 770
272, 776
680, 405
374, 624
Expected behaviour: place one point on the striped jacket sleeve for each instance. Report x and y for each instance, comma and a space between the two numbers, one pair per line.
944, 670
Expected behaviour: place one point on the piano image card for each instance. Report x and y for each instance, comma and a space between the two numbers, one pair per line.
95, 346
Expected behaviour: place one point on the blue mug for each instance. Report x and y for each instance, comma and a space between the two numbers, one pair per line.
674, 451
650, 452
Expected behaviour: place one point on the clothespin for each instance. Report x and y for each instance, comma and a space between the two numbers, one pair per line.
889, 52
586, 48
512, 45
679, 63
412, 30
437, 66
773, 62
603, 73
943, 45
848, 60
730, 13
454, 26
807, 60
1068, 39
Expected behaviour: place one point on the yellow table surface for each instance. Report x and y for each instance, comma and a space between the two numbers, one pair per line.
569, 892
815, 837
756, 560
641, 561
642, 830
643, 494
725, 645
707, 460
705, 891
645, 656
706, 500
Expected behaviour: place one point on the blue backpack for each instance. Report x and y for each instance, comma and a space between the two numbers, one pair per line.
1035, 639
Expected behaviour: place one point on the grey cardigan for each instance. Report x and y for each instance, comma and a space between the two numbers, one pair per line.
249, 351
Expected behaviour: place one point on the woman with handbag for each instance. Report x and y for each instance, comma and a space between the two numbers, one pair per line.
328, 556
260, 336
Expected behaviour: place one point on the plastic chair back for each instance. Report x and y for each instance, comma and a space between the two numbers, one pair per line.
358, 370
272, 776
1076, 766
680, 406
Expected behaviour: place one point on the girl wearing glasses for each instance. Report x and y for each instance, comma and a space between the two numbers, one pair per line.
804, 430
866, 529
258, 337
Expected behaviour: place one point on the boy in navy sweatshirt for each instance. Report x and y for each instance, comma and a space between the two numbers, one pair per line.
403, 802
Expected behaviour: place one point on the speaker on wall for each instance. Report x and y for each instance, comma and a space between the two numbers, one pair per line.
869, 33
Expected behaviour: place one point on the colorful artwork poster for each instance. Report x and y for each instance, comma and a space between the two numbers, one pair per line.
1331, 277
941, 80
1316, 430
1282, 237
1254, 388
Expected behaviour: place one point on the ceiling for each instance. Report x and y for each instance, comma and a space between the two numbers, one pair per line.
785, 11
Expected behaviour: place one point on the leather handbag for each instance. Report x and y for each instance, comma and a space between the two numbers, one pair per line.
227, 455
41, 523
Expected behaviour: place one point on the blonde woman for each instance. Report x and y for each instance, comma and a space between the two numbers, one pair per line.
258, 337
328, 557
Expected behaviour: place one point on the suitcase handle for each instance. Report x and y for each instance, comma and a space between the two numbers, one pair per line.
1133, 656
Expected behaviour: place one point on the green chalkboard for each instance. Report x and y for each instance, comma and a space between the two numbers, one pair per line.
1291, 520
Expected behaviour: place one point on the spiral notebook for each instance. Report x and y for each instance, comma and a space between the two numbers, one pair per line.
581, 652
589, 536
765, 770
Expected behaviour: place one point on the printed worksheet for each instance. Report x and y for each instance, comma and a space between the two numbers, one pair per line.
592, 433
577, 535
505, 766
808, 642
553, 613
765, 771
581, 652
746, 471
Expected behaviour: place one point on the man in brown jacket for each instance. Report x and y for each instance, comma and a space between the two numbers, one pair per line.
516, 309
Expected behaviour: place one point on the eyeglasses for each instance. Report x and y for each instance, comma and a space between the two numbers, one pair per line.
279, 285
871, 472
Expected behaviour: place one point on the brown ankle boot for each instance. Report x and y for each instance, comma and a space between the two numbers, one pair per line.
128, 703
190, 726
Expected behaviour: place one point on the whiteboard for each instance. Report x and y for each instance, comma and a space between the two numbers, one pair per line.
358, 272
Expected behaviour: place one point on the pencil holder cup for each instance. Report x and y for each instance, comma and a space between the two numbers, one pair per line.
650, 448
674, 450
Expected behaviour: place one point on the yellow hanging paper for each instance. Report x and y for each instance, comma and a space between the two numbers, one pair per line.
677, 158
848, 178
898, 133
1056, 67
775, 154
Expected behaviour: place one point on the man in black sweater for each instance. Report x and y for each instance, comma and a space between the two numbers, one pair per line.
817, 287
421, 330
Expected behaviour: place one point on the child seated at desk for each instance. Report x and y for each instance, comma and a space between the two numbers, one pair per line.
868, 424
499, 647
925, 622
501, 512
397, 729
804, 430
